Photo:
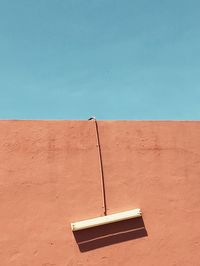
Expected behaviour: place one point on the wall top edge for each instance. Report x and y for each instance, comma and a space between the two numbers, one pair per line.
100, 120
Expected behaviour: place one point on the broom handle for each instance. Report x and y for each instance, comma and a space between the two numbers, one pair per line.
101, 167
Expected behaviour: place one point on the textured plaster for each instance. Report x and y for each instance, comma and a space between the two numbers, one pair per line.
49, 177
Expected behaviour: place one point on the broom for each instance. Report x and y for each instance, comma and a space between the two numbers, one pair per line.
106, 219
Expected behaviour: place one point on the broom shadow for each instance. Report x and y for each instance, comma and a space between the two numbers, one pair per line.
109, 234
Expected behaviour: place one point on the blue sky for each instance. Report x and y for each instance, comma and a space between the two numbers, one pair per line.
70, 59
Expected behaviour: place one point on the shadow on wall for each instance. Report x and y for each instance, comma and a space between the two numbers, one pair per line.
105, 235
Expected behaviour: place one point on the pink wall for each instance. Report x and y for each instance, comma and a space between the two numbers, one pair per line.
49, 177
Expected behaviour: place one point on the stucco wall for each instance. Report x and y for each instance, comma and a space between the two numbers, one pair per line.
49, 177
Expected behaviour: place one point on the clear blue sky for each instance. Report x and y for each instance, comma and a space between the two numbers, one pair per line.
70, 59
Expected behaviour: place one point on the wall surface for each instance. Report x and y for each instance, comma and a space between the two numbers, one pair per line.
49, 177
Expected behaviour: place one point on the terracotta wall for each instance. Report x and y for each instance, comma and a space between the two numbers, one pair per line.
49, 176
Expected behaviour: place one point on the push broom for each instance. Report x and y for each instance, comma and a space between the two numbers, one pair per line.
106, 219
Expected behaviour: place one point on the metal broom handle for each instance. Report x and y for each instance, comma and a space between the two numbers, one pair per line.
100, 166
